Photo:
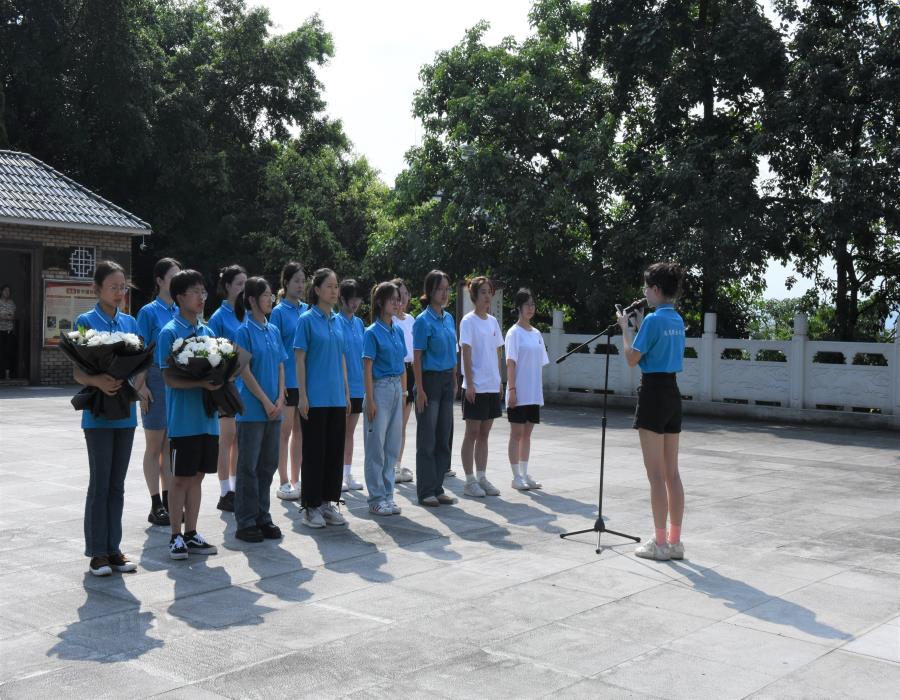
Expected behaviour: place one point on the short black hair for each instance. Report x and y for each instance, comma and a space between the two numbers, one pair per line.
104, 269
350, 289
183, 281
381, 293
521, 298
665, 275
432, 280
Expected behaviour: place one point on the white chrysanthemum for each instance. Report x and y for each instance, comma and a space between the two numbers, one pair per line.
74, 335
176, 346
183, 357
90, 333
132, 339
214, 359
93, 341
226, 348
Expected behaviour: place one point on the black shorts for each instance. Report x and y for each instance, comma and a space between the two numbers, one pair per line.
194, 454
291, 397
659, 403
410, 384
530, 413
486, 407
355, 406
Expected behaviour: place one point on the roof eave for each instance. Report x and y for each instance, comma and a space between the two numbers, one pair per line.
76, 226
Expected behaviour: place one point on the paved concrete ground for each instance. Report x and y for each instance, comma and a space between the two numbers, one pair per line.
790, 588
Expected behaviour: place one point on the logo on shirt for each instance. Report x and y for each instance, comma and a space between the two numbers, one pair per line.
673, 331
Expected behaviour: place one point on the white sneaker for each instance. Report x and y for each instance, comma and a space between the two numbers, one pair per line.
351, 484
450, 472
381, 509
473, 489
651, 550
488, 487
532, 484
395, 509
406, 475
676, 551
286, 492
520, 484
331, 515
313, 518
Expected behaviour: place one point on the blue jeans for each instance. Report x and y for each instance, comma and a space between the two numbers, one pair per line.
382, 438
434, 431
258, 443
109, 450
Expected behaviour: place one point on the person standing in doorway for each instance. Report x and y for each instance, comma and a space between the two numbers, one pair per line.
8, 341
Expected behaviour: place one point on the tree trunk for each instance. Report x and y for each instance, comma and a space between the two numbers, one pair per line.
706, 19
842, 325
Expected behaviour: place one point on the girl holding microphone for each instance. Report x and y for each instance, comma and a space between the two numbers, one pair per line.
658, 348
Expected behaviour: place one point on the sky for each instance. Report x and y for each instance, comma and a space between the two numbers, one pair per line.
379, 50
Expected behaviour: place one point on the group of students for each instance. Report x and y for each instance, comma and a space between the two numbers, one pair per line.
314, 368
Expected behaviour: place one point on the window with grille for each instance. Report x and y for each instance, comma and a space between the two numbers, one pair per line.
82, 262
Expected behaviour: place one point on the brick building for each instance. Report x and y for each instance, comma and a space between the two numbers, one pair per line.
52, 233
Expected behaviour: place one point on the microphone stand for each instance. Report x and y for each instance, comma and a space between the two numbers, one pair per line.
599, 526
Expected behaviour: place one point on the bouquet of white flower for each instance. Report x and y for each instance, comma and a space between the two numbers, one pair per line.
120, 355
215, 360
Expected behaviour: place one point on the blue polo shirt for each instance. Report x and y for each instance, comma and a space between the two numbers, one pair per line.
354, 330
386, 347
184, 407
286, 316
322, 337
152, 317
264, 344
660, 340
435, 336
97, 319
224, 323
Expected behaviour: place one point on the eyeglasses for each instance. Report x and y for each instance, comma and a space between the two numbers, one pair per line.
118, 288
197, 293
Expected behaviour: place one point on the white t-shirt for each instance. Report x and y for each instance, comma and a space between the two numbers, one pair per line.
484, 337
527, 350
407, 325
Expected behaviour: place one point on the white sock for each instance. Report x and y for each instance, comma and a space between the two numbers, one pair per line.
231, 480
515, 470
523, 469
470, 478
480, 474
347, 468
224, 486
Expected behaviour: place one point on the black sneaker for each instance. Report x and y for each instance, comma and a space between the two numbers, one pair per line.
270, 531
177, 547
119, 562
249, 534
100, 566
226, 502
158, 516
197, 545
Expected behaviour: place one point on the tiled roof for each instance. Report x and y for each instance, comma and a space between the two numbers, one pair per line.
33, 193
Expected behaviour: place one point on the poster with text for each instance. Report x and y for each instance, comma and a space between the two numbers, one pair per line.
64, 301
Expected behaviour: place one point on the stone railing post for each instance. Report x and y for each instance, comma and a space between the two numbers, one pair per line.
554, 350
894, 374
707, 357
797, 360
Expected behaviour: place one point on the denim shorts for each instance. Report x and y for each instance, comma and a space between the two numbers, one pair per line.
155, 418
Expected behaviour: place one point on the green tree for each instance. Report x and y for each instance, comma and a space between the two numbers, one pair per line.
837, 155
690, 80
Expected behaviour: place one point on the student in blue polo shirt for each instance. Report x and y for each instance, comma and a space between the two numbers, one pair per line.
193, 436
108, 441
351, 299
434, 366
659, 350
324, 401
286, 316
151, 318
384, 369
224, 323
259, 426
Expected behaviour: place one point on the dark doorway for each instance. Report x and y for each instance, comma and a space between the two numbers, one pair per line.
17, 266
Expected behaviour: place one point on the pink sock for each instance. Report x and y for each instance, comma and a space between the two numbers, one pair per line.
660, 535
674, 534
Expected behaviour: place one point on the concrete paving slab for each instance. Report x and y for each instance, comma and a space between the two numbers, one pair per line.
482, 599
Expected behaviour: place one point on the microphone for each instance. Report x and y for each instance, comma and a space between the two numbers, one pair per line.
635, 306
